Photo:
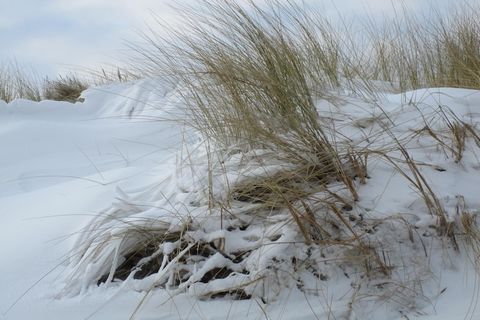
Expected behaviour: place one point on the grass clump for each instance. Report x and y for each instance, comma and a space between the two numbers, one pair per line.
65, 88
251, 78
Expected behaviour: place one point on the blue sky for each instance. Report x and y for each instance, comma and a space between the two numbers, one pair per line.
55, 36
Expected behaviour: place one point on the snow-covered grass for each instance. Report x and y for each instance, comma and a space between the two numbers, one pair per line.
263, 175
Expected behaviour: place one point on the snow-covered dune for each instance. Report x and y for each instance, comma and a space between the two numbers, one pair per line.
62, 165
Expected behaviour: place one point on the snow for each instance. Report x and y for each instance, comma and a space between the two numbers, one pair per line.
73, 171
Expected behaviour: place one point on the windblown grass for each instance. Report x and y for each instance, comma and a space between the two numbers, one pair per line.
439, 50
251, 78
16, 82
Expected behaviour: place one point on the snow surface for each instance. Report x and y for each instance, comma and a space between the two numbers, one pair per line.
63, 165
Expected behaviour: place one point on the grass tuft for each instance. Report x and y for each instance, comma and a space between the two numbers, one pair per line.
18, 83
65, 88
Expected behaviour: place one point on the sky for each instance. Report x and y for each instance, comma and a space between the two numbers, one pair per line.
57, 36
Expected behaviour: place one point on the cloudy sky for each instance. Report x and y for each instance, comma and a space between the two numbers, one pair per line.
59, 35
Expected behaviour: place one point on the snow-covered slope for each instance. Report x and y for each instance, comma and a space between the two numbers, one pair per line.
64, 165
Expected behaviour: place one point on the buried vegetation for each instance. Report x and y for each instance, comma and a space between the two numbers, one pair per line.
289, 189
